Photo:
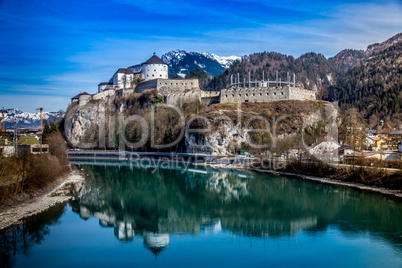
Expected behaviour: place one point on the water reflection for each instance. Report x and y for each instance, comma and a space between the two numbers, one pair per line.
21, 238
154, 203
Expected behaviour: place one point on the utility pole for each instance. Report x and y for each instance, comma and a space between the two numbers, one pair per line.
276, 78
40, 109
15, 137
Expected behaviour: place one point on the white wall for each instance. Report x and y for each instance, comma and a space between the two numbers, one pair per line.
118, 79
154, 71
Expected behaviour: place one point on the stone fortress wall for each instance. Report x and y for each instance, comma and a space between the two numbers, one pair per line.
247, 94
179, 91
206, 97
169, 86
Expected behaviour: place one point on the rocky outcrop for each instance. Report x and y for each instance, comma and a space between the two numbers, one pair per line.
232, 128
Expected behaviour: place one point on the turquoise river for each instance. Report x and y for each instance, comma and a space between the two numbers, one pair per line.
167, 215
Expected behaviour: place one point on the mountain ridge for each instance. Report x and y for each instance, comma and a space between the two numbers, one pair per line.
183, 62
27, 119
370, 80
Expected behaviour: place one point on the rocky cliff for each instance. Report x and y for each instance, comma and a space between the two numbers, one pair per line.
195, 128
259, 127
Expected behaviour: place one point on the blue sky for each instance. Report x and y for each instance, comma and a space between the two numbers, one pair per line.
50, 50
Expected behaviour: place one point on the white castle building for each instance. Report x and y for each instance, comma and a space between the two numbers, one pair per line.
126, 78
154, 68
153, 75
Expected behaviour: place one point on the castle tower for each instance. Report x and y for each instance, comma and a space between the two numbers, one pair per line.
154, 68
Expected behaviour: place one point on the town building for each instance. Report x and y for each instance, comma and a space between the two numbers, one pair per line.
326, 149
26, 149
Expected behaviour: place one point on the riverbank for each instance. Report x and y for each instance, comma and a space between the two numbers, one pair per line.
63, 191
394, 193
354, 185
235, 163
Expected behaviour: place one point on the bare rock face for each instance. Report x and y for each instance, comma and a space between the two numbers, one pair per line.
282, 120
83, 123
223, 141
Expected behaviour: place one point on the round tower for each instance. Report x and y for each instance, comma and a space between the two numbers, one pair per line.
154, 68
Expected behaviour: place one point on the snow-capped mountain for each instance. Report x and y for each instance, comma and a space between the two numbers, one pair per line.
29, 120
224, 61
182, 62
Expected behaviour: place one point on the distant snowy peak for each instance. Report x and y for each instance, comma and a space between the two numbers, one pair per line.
182, 62
175, 56
29, 120
224, 61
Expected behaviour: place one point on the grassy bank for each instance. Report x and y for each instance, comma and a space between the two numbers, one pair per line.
373, 176
23, 177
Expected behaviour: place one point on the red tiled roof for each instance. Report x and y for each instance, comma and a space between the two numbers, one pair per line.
154, 60
83, 93
125, 71
105, 83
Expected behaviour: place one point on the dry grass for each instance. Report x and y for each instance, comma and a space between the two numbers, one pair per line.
365, 175
30, 174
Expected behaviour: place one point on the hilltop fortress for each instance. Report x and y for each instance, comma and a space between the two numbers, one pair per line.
154, 75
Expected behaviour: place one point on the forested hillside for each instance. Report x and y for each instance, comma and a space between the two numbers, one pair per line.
370, 80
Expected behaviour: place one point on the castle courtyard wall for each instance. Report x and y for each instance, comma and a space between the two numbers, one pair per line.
265, 94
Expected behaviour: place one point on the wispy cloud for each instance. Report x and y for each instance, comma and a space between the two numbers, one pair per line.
347, 26
29, 102
55, 49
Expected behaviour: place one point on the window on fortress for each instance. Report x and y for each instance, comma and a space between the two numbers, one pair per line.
161, 75
153, 75
253, 94
282, 93
260, 94
239, 95
246, 95
154, 70
226, 95
232, 95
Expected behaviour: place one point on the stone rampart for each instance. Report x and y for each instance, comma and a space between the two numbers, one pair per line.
178, 99
169, 86
265, 94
